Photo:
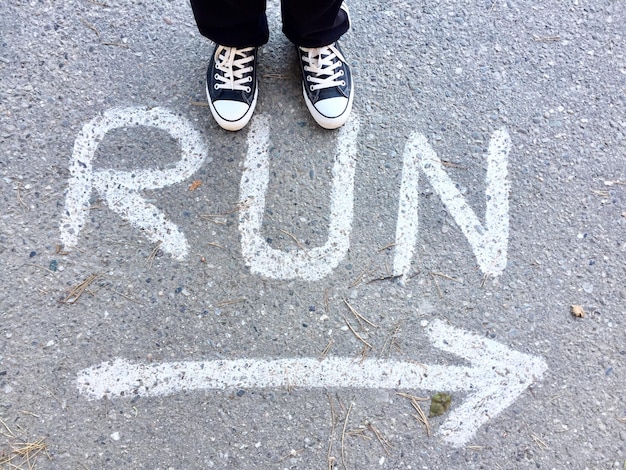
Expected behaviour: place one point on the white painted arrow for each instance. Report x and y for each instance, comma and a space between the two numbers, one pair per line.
496, 377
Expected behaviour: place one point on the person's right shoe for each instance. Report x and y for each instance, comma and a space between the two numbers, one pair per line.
231, 86
326, 84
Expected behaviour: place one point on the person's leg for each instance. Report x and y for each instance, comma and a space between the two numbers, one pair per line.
237, 27
314, 23
233, 23
315, 26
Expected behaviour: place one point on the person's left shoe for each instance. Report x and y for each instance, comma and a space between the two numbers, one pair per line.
326, 84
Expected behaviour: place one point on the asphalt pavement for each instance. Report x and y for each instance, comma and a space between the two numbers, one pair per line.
176, 296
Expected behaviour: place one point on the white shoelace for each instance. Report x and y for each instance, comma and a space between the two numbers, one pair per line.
321, 63
234, 65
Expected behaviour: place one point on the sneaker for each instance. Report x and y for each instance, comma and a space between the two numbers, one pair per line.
231, 86
326, 84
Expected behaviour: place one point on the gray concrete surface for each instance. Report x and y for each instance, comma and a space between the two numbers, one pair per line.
552, 73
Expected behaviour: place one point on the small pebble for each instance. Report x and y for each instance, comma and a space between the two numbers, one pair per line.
32, 253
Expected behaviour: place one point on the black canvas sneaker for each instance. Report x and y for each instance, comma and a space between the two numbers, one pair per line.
231, 86
326, 84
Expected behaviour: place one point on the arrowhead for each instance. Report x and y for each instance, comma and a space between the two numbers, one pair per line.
498, 374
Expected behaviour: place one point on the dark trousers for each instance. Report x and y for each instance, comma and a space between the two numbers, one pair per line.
242, 23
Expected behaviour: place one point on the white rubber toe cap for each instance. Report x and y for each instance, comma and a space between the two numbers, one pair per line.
332, 107
231, 110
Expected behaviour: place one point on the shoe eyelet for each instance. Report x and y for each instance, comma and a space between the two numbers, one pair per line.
216, 77
216, 87
250, 78
341, 73
248, 89
343, 83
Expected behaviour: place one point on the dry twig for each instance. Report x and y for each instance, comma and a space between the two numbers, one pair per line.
296, 241
10, 435
91, 27
361, 276
390, 245
547, 39
22, 453
217, 245
224, 303
420, 413
330, 459
364, 352
383, 441
343, 436
126, 297
445, 276
391, 340
358, 336
358, 432
78, 290
153, 255
327, 348
358, 316
542, 445
437, 286
385, 278
450, 164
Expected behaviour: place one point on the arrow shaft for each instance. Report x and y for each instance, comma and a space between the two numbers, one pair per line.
123, 378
